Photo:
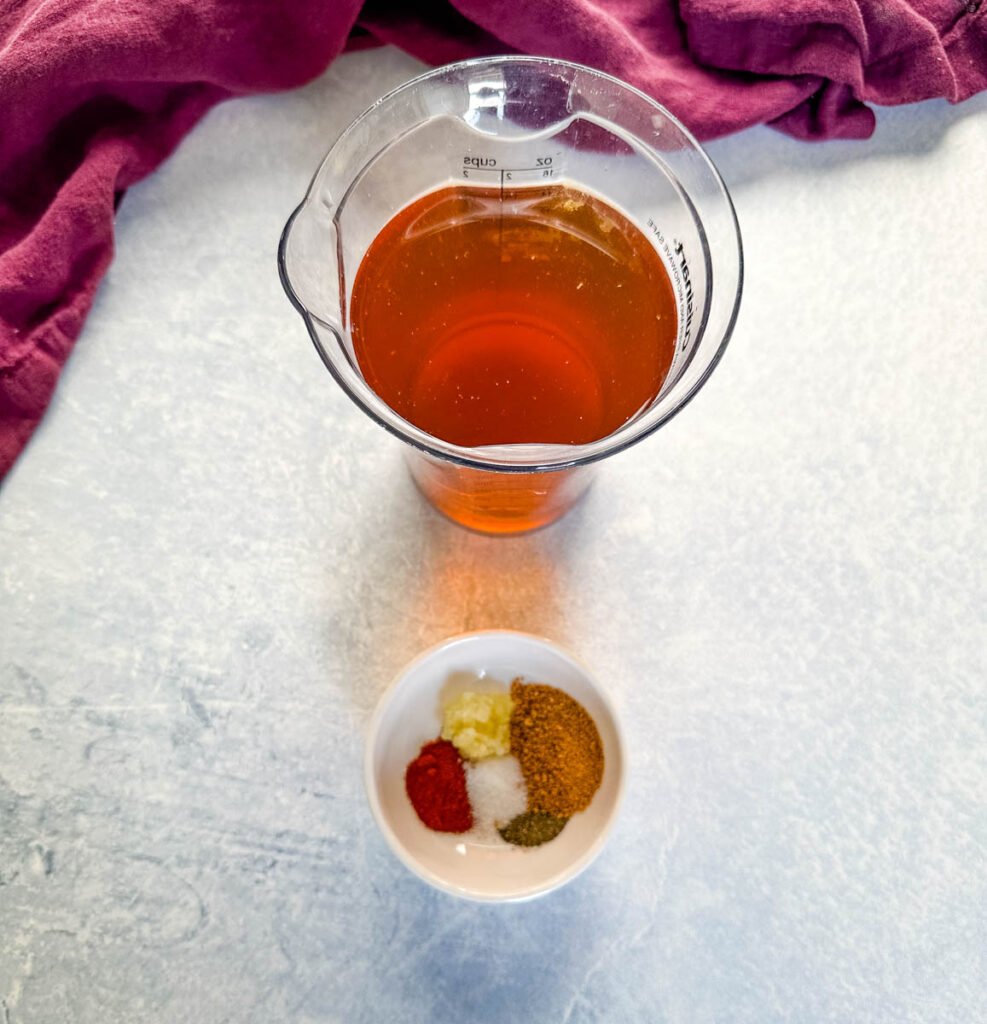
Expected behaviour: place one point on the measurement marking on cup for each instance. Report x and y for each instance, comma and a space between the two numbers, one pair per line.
678, 266
475, 166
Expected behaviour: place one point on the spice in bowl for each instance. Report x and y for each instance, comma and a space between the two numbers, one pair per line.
479, 724
436, 786
508, 767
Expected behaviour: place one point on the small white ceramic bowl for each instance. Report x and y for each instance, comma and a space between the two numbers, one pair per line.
409, 714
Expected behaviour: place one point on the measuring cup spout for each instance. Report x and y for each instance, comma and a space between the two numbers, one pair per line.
308, 265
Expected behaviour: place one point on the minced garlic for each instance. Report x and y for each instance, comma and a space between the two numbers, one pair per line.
479, 724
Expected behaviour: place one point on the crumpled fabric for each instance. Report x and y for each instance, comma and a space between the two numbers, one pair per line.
94, 94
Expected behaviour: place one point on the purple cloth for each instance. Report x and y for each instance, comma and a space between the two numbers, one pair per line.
94, 94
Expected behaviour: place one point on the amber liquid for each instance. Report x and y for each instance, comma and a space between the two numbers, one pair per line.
505, 316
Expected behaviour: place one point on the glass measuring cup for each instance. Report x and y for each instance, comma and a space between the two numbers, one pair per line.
512, 122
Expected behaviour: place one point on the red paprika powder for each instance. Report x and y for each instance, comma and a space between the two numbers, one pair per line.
436, 785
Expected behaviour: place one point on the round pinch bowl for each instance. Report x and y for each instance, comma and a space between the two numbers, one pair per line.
409, 715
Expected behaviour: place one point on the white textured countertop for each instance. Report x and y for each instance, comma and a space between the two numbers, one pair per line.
211, 563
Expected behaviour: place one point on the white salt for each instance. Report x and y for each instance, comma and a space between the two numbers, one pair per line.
497, 794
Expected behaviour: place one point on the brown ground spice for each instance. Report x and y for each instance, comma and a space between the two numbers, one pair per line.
558, 746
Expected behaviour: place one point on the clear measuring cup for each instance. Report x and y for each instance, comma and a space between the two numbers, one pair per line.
523, 121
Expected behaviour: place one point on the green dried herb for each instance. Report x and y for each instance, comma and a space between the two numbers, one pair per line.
532, 828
